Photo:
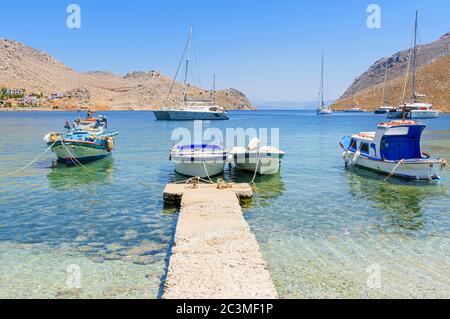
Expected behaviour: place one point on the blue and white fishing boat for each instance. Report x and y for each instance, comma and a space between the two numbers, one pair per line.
199, 160
394, 149
85, 140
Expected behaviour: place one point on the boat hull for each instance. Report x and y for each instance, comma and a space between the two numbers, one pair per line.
324, 112
79, 152
414, 114
429, 114
199, 169
189, 116
263, 164
420, 169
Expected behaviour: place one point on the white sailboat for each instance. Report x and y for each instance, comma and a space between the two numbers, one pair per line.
384, 108
191, 108
322, 109
416, 108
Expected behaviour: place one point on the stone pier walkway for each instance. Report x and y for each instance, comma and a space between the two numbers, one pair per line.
215, 255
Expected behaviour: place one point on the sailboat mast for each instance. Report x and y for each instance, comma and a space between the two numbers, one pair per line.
384, 86
322, 104
188, 57
413, 86
214, 89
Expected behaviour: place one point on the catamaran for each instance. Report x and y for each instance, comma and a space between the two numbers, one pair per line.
394, 149
322, 109
415, 109
85, 140
191, 108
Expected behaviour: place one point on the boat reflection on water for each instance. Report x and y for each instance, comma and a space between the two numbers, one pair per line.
400, 203
267, 188
62, 177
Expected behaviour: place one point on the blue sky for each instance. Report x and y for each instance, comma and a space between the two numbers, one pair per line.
268, 49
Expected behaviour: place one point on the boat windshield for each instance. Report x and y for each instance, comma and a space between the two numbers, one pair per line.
203, 147
402, 143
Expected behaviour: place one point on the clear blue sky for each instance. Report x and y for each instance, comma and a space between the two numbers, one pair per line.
269, 49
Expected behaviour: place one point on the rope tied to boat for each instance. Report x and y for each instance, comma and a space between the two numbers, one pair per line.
194, 181
30, 163
258, 157
221, 184
395, 168
206, 171
443, 165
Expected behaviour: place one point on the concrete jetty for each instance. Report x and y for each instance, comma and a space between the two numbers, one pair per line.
215, 255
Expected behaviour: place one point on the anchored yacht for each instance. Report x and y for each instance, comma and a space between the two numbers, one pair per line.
192, 109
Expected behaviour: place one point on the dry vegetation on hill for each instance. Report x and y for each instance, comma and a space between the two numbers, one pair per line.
433, 80
24, 67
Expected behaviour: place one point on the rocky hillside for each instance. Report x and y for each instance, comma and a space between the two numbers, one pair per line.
433, 80
398, 64
26, 68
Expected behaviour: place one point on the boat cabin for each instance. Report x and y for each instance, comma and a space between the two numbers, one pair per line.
393, 141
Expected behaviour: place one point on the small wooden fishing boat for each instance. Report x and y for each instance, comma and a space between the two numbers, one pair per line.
394, 149
265, 160
85, 140
199, 160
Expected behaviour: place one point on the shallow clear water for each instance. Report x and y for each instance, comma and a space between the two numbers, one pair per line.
324, 230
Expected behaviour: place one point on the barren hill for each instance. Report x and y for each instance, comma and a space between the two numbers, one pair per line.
26, 68
398, 64
432, 79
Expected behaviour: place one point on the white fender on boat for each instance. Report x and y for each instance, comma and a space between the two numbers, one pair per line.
355, 158
346, 157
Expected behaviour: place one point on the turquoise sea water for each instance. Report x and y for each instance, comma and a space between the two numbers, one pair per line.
325, 231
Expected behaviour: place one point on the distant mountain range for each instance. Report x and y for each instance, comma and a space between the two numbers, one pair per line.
305, 105
27, 68
433, 78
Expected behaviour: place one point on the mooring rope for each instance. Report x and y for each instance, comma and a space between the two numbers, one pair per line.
395, 168
258, 157
79, 164
206, 171
76, 161
30, 163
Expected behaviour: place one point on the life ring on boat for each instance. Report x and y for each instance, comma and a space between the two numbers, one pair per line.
109, 143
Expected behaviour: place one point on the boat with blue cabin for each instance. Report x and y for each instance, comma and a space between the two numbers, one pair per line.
394, 149
199, 160
85, 140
